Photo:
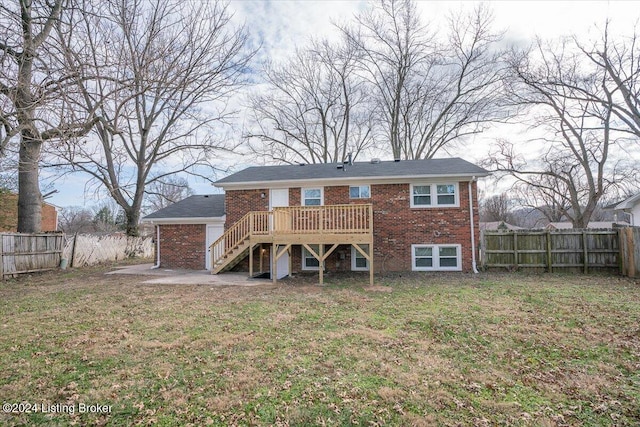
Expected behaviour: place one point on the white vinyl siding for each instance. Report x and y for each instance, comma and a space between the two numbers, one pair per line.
435, 195
436, 257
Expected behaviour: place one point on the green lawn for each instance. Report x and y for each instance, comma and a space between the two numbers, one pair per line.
448, 349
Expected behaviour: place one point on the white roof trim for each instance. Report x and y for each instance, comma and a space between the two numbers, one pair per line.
288, 183
628, 203
192, 220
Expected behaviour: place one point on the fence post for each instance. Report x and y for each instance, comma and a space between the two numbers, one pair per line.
585, 252
1, 257
621, 252
549, 260
631, 270
73, 250
515, 249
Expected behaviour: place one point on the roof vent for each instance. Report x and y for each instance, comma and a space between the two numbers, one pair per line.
396, 160
375, 160
340, 166
301, 164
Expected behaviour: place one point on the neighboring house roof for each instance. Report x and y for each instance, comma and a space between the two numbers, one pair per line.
625, 204
192, 208
266, 176
592, 224
498, 225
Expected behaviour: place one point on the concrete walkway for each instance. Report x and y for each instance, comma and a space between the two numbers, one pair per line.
163, 276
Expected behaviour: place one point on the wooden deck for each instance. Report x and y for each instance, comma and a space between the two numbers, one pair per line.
296, 225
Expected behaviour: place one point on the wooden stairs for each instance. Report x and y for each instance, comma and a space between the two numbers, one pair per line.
231, 257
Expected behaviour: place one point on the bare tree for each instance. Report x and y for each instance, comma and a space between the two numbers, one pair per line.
164, 73
619, 59
581, 159
9, 171
496, 208
33, 95
74, 219
314, 108
430, 92
542, 199
162, 193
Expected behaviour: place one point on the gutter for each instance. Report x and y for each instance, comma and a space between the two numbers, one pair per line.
473, 231
157, 248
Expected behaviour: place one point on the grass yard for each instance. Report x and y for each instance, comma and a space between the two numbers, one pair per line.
436, 349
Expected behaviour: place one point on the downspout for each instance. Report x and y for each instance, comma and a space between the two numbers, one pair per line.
157, 248
473, 230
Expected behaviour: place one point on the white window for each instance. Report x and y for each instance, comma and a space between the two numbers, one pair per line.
312, 197
421, 195
436, 257
446, 194
309, 262
434, 195
358, 261
359, 192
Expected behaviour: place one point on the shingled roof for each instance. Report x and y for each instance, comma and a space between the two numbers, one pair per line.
358, 170
202, 206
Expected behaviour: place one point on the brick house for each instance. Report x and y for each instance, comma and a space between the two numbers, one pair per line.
409, 215
9, 214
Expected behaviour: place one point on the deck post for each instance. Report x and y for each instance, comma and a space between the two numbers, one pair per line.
274, 263
250, 258
371, 245
261, 254
371, 263
321, 263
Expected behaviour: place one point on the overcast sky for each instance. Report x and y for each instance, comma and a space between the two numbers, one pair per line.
278, 26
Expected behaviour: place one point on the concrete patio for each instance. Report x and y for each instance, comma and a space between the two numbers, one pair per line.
188, 277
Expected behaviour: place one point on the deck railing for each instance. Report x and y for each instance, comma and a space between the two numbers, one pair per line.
299, 220
330, 219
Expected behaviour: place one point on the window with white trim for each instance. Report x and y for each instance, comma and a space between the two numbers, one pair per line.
309, 262
436, 257
359, 192
358, 261
434, 195
312, 196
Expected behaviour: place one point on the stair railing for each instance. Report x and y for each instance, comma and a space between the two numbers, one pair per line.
250, 223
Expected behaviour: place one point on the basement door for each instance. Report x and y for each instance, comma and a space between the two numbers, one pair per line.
280, 197
214, 231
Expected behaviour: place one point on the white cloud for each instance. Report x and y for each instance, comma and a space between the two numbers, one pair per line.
281, 25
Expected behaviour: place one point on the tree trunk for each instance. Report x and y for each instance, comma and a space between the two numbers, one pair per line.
29, 196
133, 217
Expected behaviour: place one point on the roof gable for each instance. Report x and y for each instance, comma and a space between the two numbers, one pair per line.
405, 169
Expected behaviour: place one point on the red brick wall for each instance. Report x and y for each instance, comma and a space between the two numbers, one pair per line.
397, 229
397, 225
49, 218
239, 202
9, 214
183, 246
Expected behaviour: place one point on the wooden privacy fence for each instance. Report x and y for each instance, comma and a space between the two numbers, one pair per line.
629, 238
28, 253
560, 250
